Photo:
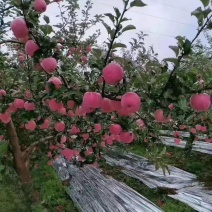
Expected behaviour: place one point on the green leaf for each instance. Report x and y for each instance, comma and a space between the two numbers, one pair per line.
125, 19
209, 26
162, 78
182, 104
3, 148
175, 49
110, 16
108, 28
97, 52
2, 167
187, 47
172, 60
167, 168
112, 33
119, 45
206, 12
137, 3
157, 166
118, 14
120, 27
181, 118
129, 27
199, 15
190, 118
205, 2
46, 19
163, 151
180, 40
164, 170
46, 29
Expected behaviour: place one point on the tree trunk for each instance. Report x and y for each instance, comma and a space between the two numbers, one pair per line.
20, 167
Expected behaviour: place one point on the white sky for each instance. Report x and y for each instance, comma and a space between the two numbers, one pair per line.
162, 20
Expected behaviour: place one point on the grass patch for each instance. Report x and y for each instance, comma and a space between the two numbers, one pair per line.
196, 163
12, 197
53, 195
55, 199
52, 192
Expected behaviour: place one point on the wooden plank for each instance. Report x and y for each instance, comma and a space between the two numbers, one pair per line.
92, 191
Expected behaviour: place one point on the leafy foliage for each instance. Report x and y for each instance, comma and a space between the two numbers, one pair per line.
82, 133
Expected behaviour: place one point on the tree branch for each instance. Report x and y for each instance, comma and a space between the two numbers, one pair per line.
27, 23
64, 80
10, 41
4, 10
27, 152
29, 77
111, 44
207, 88
181, 57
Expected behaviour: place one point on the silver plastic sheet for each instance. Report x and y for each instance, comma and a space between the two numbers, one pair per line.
188, 190
140, 168
93, 191
197, 197
198, 146
182, 134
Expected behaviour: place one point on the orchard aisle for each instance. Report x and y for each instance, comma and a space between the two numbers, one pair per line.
196, 197
185, 186
198, 146
140, 168
92, 191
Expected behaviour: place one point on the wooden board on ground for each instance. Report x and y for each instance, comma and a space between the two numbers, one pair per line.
92, 191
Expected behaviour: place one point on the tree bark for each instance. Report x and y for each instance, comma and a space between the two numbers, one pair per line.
20, 166
28, 152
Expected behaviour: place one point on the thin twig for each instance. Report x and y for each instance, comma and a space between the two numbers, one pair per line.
64, 80
29, 77
207, 88
8, 8
10, 41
